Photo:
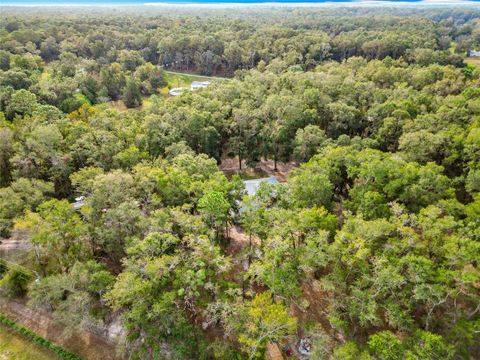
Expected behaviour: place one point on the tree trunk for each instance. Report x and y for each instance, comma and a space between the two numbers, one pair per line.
249, 249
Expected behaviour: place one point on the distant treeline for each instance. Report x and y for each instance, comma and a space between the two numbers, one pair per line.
204, 42
370, 248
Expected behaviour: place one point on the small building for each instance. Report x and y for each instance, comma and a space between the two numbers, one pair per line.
252, 185
199, 85
176, 91
194, 86
474, 53
79, 202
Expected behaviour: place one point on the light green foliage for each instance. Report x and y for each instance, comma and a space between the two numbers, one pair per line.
426, 345
58, 234
84, 179
22, 195
129, 157
421, 146
472, 145
42, 155
370, 247
308, 142
261, 322
73, 296
349, 351
14, 282
401, 284
311, 190
22, 102
214, 208
386, 346
178, 273
292, 244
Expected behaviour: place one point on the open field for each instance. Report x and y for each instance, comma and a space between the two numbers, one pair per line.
179, 79
15, 347
475, 61
174, 80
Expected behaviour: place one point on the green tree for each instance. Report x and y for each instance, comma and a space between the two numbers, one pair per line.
58, 234
6, 152
131, 94
15, 281
22, 102
71, 296
308, 142
214, 208
113, 81
386, 346
22, 195
426, 345
310, 189
260, 321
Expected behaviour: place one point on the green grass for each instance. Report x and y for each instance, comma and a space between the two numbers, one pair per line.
177, 79
35, 339
14, 346
452, 47
474, 60
174, 80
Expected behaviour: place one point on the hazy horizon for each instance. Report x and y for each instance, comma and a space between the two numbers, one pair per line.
33, 3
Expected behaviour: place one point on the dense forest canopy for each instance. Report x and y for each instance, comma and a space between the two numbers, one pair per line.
369, 250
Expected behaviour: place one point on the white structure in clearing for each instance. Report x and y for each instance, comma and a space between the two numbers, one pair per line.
194, 86
251, 186
79, 202
176, 91
199, 85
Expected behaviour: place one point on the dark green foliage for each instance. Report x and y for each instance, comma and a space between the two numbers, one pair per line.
373, 238
131, 94
14, 279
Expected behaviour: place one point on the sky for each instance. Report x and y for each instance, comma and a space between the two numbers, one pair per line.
186, 2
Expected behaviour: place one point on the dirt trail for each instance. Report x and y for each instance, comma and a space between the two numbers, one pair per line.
239, 240
318, 303
283, 169
15, 248
13, 245
230, 165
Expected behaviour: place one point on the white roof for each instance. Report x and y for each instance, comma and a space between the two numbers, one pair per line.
199, 84
204, 83
78, 204
252, 185
176, 91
